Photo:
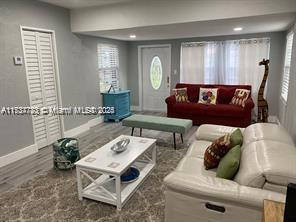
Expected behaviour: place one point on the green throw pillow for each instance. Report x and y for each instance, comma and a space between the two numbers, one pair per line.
229, 164
236, 138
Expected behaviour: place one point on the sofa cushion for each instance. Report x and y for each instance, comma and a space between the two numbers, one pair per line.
250, 172
194, 166
197, 148
267, 161
236, 138
216, 151
208, 95
211, 132
192, 91
240, 97
266, 131
224, 110
229, 164
278, 162
225, 94
181, 95
190, 108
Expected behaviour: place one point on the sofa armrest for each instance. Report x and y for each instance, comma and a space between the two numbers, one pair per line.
249, 104
170, 100
211, 132
217, 189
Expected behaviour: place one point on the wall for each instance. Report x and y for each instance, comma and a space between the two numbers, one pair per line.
77, 60
276, 59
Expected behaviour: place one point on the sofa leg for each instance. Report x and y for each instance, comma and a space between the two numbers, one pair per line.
174, 135
140, 132
132, 131
182, 138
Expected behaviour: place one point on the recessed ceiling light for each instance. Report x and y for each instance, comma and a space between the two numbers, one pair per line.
133, 36
237, 29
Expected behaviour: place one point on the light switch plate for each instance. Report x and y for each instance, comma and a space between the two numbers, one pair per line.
18, 60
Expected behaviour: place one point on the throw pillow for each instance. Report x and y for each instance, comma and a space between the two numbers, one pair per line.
229, 164
181, 95
240, 97
236, 138
208, 95
216, 151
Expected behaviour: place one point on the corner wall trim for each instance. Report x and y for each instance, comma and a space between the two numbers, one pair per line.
84, 127
17, 155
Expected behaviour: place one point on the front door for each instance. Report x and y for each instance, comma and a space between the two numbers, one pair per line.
156, 68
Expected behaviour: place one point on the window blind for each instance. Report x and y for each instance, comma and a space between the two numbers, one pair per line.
287, 64
108, 64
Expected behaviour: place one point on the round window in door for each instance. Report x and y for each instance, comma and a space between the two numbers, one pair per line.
156, 73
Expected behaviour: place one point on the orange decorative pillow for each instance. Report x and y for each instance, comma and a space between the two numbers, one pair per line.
181, 95
216, 151
240, 97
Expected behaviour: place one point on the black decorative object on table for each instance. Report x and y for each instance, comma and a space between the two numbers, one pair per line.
290, 208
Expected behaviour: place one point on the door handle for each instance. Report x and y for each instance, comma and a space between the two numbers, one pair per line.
214, 207
168, 81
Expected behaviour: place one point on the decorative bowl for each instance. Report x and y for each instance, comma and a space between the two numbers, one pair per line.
120, 146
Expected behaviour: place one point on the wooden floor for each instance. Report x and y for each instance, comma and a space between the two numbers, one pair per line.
18, 172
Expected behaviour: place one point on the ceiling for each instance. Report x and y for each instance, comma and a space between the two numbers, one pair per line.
72, 4
172, 19
254, 24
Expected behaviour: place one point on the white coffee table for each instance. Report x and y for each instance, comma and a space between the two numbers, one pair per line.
109, 166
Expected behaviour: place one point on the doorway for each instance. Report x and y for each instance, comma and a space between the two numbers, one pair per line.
41, 71
154, 76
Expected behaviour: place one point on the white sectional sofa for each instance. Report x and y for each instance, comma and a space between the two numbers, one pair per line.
268, 164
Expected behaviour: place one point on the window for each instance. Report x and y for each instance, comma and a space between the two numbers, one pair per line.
155, 73
286, 71
224, 62
108, 63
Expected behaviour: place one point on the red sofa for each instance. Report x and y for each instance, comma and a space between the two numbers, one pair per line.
222, 113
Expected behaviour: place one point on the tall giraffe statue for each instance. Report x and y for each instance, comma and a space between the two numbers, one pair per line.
262, 103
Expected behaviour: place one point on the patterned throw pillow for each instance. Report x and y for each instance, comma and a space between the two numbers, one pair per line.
208, 95
181, 95
240, 97
216, 151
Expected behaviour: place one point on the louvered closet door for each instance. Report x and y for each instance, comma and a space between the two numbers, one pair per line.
39, 59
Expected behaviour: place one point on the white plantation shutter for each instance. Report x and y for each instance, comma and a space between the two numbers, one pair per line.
287, 64
39, 60
108, 64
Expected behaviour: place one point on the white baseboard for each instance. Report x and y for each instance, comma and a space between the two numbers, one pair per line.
84, 127
17, 155
29, 150
95, 121
135, 108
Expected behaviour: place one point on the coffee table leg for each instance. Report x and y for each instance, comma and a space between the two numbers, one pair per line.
118, 192
79, 184
154, 154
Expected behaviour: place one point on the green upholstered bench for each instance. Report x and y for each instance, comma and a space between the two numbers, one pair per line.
159, 123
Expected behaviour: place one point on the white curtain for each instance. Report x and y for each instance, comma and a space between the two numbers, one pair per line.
192, 72
225, 62
251, 52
